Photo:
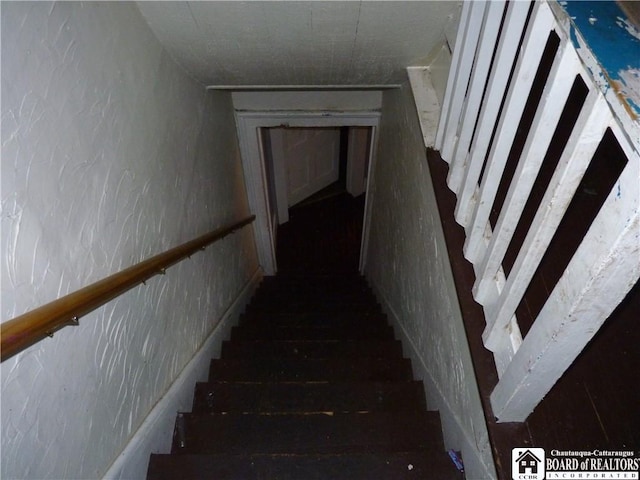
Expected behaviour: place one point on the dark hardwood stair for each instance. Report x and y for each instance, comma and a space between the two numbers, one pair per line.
311, 385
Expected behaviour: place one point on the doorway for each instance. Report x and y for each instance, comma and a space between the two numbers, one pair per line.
320, 203
306, 162
262, 175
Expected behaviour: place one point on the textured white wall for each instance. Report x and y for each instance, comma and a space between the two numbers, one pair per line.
409, 269
110, 154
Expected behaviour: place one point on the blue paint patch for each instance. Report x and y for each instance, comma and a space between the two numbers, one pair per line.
610, 36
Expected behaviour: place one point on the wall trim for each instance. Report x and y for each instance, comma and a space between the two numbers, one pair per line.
156, 431
455, 436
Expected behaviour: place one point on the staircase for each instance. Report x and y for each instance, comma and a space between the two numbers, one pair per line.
312, 385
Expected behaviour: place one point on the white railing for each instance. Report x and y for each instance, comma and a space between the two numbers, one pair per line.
478, 122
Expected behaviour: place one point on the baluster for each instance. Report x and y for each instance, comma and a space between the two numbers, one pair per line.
488, 38
505, 56
525, 71
594, 118
455, 61
467, 48
563, 72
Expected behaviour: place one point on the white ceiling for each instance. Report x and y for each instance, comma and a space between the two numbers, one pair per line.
299, 43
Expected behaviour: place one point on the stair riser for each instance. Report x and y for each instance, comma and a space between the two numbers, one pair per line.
308, 397
334, 320
310, 370
314, 293
304, 307
311, 349
414, 465
267, 333
301, 434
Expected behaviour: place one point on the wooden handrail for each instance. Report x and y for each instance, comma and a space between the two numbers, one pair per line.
25, 330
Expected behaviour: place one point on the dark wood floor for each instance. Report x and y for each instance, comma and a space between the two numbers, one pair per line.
596, 404
322, 235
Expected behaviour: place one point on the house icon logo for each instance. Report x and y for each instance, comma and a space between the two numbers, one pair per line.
527, 464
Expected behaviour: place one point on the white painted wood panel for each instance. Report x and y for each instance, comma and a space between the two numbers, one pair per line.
554, 97
426, 101
585, 138
527, 65
505, 57
311, 157
358, 146
280, 173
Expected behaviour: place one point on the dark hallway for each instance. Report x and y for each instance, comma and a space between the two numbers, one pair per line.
323, 234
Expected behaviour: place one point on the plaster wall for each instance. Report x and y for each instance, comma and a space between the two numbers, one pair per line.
110, 154
409, 270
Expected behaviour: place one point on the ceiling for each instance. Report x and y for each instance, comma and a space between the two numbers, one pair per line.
227, 43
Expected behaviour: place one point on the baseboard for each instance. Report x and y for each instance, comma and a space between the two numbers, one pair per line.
156, 432
455, 436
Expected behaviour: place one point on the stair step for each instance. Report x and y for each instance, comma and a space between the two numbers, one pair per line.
416, 465
310, 370
326, 290
307, 319
339, 281
307, 433
219, 397
303, 307
311, 349
311, 385
348, 332
279, 296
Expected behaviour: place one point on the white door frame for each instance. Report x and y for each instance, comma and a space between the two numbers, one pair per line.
249, 124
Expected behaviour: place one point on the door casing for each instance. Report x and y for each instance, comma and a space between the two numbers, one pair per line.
249, 125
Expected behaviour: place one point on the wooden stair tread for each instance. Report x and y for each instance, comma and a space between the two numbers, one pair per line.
348, 332
301, 307
414, 465
311, 349
308, 433
310, 397
309, 369
314, 319
317, 293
